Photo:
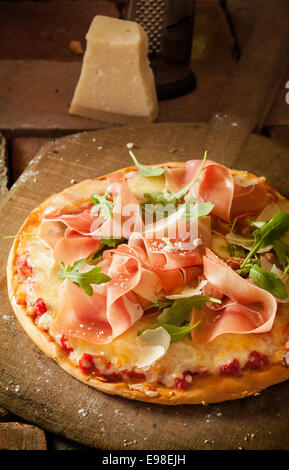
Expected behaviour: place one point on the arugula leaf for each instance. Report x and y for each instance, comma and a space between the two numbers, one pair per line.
176, 315
179, 332
231, 249
246, 269
180, 311
268, 281
103, 205
160, 304
111, 242
21, 236
157, 206
235, 250
256, 223
179, 196
170, 198
197, 209
268, 233
146, 170
176, 332
157, 198
83, 280
94, 257
282, 252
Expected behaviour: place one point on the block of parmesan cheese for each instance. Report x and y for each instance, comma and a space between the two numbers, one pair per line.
116, 83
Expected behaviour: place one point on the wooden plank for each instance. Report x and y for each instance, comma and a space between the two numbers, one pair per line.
243, 15
38, 390
19, 436
3, 167
248, 96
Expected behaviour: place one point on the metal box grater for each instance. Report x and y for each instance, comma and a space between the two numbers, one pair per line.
169, 26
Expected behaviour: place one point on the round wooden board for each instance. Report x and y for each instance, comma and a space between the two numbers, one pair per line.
36, 389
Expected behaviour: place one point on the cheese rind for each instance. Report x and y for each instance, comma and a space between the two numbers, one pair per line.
116, 82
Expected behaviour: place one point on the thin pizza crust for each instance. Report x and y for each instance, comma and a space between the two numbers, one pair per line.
204, 390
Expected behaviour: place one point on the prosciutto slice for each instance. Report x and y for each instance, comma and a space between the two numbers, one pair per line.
173, 278
245, 308
73, 246
216, 184
114, 306
75, 236
79, 221
173, 242
68, 245
114, 183
126, 217
68, 236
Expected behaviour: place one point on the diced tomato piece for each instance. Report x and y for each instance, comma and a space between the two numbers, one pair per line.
256, 361
232, 368
134, 375
184, 382
23, 267
113, 377
86, 363
39, 308
63, 341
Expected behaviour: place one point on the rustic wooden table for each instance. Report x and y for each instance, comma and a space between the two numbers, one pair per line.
37, 82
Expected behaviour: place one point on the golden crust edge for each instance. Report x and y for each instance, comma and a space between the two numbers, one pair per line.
211, 389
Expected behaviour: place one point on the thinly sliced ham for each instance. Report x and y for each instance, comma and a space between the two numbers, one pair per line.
126, 217
73, 246
245, 309
112, 308
74, 236
217, 185
79, 221
174, 278
174, 242
68, 236
82, 316
114, 183
68, 245
248, 198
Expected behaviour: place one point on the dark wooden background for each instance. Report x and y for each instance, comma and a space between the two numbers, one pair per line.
40, 392
38, 73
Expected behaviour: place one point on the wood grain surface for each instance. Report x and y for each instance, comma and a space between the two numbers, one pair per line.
37, 390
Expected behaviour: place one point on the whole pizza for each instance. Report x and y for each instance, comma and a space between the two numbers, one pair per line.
164, 283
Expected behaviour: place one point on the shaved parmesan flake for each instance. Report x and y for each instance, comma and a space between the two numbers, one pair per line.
268, 212
244, 181
244, 242
188, 292
153, 345
219, 245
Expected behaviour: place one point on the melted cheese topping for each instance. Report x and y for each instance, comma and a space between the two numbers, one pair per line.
124, 352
